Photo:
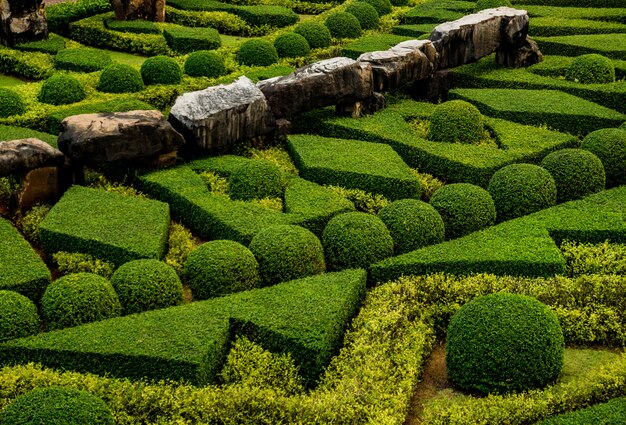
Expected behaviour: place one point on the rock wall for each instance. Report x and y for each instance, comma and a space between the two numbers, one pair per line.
22, 21
150, 10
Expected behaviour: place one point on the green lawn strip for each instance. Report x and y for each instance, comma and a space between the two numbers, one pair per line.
126, 58
612, 412
9, 81
413, 30
610, 45
607, 14
554, 26
51, 45
107, 225
372, 43
435, 12
8, 132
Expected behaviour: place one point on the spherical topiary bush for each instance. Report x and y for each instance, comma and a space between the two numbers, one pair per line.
11, 103
205, 63
456, 121
464, 208
257, 53
256, 179
18, 316
591, 69
120, 78
315, 33
609, 145
356, 240
219, 268
161, 70
365, 13
61, 89
501, 343
521, 189
576, 172
57, 406
143, 285
291, 45
79, 298
287, 252
383, 7
490, 4
412, 224
343, 25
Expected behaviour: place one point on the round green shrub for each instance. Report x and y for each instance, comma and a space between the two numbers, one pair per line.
490, 4
356, 240
18, 316
315, 33
143, 285
161, 70
256, 179
257, 53
412, 224
464, 208
61, 89
365, 13
521, 189
591, 69
219, 268
343, 25
205, 63
456, 121
576, 172
383, 7
120, 78
57, 406
11, 103
503, 343
609, 145
291, 45
287, 252
82, 59
79, 298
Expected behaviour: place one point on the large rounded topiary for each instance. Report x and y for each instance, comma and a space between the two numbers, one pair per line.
609, 145
576, 172
205, 63
79, 298
11, 103
412, 224
343, 25
120, 78
18, 316
315, 33
143, 285
464, 208
490, 4
291, 45
383, 7
456, 121
219, 268
256, 179
57, 406
591, 69
61, 89
502, 342
161, 70
82, 59
521, 189
257, 53
365, 13
356, 240
287, 252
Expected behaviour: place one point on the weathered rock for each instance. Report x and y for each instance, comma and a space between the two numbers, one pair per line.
150, 10
325, 83
40, 186
22, 21
220, 116
527, 55
434, 88
109, 137
20, 156
368, 106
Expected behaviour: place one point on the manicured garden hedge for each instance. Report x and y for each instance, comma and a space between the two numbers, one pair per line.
436, 11
555, 26
372, 43
610, 45
612, 412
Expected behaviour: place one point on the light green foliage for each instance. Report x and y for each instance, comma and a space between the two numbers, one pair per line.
363, 201
609, 413
180, 243
29, 222
8, 187
587, 258
429, 184
275, 204
75, 262
217, 184
276, 155
591, 69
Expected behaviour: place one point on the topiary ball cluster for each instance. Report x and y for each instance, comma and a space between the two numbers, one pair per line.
591, 69
521, 189
120, 78
161, 70
315, 33
609, 145
343, 25
456, 121
490, 4
18, 316
219, 268
205, 63
576, 172
256, 179
291, 45
287, 252
412, 224
503, 343
61, 89
365, 13
383, 7
257, 53
11, 103
356, 240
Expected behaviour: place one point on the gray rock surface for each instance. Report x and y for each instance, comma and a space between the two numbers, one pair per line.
150, 10
527, 55
22, 21
19, 156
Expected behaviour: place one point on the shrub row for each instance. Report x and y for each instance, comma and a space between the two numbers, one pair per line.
435, 12
610, 45
60, 15
559, 26
52, 45
34, 65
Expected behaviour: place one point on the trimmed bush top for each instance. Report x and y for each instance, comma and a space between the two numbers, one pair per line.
576, 172
138, 26
120, 78
456, 121
257, 53
161, 70
204, 63
316, 33
591, 69
610, 45
11, 103
343, 25
291, 45
256, 179
186, 40
61, 89
609, 145
18, 316
82, 59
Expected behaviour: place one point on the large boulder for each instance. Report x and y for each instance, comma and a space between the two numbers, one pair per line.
20, 156
22, 21
150, 10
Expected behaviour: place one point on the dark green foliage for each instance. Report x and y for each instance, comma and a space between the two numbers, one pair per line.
60, 15
489, 4
18, 316
120, 78
591, 69
343, 25
356, 239
256, 179
51, 45
456, 121
61, 89
11, 103
399, 2
464, 208
219, 268
57, 406
502, 343
257, 53
82, 59
371, 43
609, 413
291, 45
186, 40
161, 70
383, 7
609, 145
576, 172
521, 189
609, 45
365, 13
143, 285
273, 16
137, 26
412, 224
204, 63
317, 34
79, 298
287, 252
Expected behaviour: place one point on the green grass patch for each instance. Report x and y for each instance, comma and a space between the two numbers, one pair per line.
372, 43
9, 81
413, 30
607, 14
14, 133
609, 45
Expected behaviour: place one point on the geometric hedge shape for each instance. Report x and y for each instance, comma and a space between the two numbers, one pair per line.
609, 45
554, 27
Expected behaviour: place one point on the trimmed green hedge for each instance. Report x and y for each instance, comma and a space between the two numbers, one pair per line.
576, 172
371, 43
610, 45
26, 64
437, 11
315, 33
52, 45
19, 316
612, 412
60, 15
82, 60
456, 121
120, 78
186, 40
257, 52
161, 70
558, 26
137, 26
343, 25
611, 14
578, 3
11, 103
61, 89
205, 63
609, 145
